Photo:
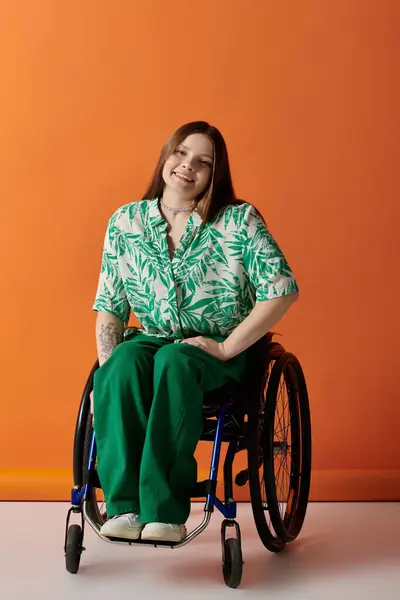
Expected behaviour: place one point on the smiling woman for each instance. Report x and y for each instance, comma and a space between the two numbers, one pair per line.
192, 162
196, 151
207, 280
187, 173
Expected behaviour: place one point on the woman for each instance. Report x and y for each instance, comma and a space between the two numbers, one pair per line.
206, 280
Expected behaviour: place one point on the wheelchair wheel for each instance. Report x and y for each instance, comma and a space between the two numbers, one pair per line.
255, 453
286, 447
232, 566
95, 502
73, 549
279, 451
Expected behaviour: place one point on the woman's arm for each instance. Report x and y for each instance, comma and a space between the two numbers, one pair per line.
264, 316
109, 333
272, 280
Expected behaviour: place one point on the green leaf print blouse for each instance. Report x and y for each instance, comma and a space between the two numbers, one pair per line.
219, 271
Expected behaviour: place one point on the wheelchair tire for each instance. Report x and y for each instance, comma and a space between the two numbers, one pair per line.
232, 566
255, 456
92, 505
87, 442
287, 523
73, 550
79, 439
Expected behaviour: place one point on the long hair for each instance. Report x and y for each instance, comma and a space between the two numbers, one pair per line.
220, 190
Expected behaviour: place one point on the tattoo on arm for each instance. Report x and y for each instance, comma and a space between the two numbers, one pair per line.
110, 336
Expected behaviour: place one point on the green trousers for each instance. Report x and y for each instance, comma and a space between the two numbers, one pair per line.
148, 399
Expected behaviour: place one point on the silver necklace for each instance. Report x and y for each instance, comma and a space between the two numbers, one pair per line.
176, 210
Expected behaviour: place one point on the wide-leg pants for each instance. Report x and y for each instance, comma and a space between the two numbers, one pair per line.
148, 399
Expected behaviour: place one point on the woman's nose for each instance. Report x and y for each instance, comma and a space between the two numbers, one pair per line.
187, 163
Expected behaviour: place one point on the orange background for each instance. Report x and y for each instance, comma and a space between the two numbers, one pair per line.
306, 95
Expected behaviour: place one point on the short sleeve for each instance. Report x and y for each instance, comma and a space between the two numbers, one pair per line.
111, 295
267, 268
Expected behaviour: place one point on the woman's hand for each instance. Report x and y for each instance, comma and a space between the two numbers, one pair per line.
210, 346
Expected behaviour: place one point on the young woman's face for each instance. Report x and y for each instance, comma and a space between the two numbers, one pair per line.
188, 170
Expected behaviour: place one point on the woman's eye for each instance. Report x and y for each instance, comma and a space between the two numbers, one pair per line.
179, 151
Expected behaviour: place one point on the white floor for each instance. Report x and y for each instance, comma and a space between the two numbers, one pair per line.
345, 550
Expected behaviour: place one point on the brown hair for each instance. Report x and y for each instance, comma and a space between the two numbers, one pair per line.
220, 191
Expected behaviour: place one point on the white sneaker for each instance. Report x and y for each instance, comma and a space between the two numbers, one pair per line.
125, 526
164, 532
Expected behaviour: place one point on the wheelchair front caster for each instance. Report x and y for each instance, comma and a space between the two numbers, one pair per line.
73, 548
232, 566
232, 559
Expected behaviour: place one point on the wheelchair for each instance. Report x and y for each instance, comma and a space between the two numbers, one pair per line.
267, 415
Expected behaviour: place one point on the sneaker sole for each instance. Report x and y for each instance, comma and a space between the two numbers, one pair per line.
158, 535
126, 535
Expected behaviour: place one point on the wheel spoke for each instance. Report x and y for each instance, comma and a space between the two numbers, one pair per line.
280, 418
276, 431
282, 466
283, 436
279, 483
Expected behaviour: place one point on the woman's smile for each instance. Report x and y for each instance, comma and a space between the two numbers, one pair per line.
183, 178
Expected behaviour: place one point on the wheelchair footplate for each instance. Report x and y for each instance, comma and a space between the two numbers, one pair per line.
154, 543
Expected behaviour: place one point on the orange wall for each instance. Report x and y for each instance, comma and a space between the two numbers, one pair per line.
306, 94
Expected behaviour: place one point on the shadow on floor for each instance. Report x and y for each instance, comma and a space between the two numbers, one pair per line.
355, 538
